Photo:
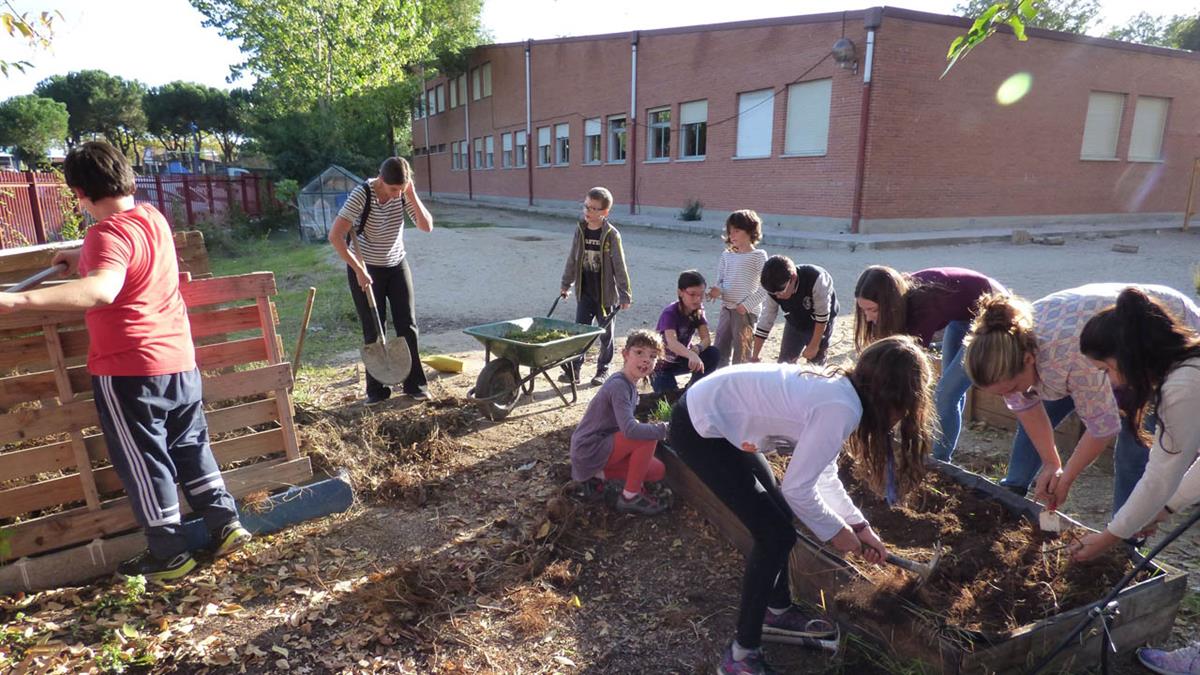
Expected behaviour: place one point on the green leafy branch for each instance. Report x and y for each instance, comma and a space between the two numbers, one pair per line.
1013, 13
36, 29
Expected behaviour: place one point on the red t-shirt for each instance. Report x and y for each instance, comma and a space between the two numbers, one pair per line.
145, 330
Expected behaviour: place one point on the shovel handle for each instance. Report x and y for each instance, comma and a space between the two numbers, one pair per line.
370, 291
38, 278
554, 306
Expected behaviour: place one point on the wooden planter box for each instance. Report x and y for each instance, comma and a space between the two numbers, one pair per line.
1147, 609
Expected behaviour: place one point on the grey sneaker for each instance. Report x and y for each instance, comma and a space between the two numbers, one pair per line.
643, 504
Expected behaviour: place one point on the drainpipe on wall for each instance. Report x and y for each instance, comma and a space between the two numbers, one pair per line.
528, 122
470, 143
428, 157
871, 21
631, 128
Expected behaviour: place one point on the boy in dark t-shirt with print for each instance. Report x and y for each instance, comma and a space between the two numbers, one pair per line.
142, 362
596, 267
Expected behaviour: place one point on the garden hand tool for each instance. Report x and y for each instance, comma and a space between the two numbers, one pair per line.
388, 362
922, 570
26, 284
1050, 521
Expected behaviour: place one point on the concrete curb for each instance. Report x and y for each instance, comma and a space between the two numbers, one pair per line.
792, 238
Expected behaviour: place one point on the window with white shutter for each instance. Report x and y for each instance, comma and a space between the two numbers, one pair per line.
756, 115
1149, 123
1102, 125
807, 129
693, 129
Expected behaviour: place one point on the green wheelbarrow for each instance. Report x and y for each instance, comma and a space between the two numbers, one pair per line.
500, 384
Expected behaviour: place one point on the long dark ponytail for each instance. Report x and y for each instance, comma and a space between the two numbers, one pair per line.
1147, 342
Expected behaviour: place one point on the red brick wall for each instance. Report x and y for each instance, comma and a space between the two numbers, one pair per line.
944, 148
937, 148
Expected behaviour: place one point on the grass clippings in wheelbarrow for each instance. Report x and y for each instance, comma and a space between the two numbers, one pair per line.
999, 571
536, 336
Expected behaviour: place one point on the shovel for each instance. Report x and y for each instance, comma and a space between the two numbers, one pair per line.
388, 362
26, 284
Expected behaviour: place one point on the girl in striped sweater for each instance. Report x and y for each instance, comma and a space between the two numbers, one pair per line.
739, 287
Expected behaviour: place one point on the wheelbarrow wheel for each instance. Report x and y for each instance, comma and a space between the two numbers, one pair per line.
498, 379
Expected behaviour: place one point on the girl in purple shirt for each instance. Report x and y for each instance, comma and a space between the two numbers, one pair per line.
920, 304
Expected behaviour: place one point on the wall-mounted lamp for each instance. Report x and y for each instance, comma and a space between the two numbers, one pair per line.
845, 54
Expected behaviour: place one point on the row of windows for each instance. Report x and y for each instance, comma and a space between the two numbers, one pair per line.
1102, 127
806, 132
433, 100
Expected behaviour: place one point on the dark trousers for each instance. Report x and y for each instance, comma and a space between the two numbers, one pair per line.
743, 481
665, 373
796, 338
587, 310
157, 435
393, 288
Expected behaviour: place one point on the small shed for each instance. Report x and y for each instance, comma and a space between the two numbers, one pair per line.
321, 199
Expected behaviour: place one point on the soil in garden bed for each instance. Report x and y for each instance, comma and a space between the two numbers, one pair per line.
998, 570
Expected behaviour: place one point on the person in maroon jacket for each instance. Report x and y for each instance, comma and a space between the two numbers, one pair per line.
921, 304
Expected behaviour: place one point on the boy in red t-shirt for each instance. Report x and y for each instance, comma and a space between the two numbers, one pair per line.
142, 362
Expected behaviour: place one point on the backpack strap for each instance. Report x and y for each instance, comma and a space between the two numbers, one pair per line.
366, 212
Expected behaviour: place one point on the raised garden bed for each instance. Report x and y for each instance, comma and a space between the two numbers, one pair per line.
997, 603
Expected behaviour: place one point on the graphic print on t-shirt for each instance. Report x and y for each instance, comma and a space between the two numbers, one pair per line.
591, 262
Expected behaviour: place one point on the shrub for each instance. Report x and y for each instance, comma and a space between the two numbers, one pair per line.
692, 210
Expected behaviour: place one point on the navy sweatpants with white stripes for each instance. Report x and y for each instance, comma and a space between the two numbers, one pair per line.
157, 435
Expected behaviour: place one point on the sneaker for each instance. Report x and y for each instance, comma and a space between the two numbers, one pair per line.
643, 504
599, 379
231, 538
374, 397
1182, 661
796, 623
753, 664
597, 489
155, 569
419, 394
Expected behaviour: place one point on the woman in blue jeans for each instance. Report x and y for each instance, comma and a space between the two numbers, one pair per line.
920, 304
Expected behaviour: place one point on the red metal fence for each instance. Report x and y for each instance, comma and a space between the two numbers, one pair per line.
32, 203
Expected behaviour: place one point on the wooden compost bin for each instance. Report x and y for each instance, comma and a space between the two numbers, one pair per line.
1147, 609
58, 487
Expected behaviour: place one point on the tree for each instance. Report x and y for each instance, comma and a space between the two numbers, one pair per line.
175, 113
1159, 31
320, 50
35, 29
225, 118
99, 103
30, 124
1070, 16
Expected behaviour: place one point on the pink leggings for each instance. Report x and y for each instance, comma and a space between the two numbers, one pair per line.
634, 461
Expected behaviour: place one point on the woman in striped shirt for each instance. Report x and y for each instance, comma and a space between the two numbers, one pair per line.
375, 212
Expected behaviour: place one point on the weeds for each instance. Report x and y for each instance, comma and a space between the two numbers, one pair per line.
662, 411
693, 209
124, 597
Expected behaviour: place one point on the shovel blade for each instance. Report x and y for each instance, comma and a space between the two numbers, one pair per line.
389, 362
1050, 521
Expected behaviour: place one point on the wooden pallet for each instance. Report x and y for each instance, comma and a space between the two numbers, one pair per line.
18, 263
58, 489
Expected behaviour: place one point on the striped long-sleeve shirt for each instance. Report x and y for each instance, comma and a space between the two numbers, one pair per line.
739, 277
382, 241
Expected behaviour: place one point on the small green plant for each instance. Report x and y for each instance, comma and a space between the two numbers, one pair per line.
693, 209
125, 648
662, 411
123, 597
72, 219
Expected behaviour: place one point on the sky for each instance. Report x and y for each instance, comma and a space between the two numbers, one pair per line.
159, 41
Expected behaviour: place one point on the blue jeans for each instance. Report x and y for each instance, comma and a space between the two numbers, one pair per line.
951, 395
664, 375
1129, 456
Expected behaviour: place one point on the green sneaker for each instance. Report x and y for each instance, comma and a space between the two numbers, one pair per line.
155, 569
231, 538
